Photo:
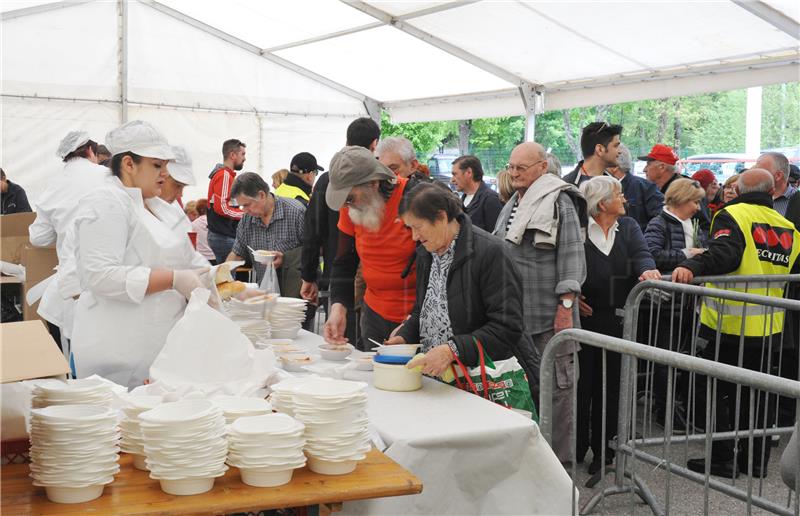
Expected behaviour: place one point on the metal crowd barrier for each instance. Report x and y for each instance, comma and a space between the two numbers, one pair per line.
671, 317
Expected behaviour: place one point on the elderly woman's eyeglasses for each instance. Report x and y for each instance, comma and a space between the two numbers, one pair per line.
522, 168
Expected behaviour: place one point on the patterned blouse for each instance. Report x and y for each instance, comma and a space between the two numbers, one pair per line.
434, 324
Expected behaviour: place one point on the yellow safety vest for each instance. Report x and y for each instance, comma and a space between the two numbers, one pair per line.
772, 246
291, 192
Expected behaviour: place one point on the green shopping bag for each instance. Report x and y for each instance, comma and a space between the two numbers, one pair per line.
503, 382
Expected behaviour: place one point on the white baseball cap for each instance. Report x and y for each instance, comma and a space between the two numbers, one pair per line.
140, 138
72, 141
181, 169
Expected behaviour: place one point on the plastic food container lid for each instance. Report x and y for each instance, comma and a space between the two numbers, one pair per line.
392, 359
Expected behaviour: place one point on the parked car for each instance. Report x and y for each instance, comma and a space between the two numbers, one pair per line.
723, 165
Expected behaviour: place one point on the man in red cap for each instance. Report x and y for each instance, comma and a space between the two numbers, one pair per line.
661, 167
709, 182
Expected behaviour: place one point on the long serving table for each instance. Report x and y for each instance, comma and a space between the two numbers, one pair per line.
473, 456
134, 492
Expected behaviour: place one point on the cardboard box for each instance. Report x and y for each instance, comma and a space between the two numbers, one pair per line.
39, 263
14, 235
27, 351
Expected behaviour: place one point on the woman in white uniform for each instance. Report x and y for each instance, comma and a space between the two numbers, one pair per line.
135, 271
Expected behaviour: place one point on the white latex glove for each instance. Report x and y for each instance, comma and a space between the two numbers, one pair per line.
185, 281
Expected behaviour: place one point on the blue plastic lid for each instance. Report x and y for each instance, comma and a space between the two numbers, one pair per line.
392, 359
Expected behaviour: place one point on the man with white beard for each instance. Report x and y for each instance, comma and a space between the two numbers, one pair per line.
367, 195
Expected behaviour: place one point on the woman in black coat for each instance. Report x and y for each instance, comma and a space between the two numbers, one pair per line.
671, 236
467, 287
616, 259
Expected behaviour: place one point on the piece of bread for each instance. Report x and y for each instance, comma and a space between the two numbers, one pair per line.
223, 274
229, 289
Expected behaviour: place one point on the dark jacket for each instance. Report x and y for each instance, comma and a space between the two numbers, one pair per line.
484, 208
484, 299
14, 200
609, 279
321, 232
665, 239
576, 177
793, 210
643, 200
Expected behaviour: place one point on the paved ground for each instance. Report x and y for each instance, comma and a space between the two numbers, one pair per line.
682, 496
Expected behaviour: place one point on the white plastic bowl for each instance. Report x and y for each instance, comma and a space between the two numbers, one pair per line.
139, 462
60, 494
178, 412
396, 377
398, 350
335, 353
257, 477
286, 334
187, 486
295, 362
326, 467
262, 256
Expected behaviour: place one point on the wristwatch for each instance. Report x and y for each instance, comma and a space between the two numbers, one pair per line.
566, 303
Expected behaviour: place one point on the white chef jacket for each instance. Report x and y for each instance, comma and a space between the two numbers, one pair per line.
118, 329
55, 215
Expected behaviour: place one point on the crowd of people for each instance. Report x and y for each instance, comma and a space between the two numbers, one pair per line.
396, 257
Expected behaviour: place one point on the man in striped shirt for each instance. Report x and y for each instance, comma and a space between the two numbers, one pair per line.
222, 217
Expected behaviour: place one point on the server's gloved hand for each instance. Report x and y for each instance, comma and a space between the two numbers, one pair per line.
185, 281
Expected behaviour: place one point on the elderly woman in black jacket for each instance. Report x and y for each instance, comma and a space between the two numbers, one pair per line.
467, 287
616, 259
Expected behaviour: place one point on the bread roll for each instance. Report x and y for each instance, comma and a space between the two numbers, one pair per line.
230, 288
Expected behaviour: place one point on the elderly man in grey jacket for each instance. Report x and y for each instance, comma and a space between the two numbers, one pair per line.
541, 229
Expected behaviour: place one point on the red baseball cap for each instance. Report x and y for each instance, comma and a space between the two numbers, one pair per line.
661, 152
705, 177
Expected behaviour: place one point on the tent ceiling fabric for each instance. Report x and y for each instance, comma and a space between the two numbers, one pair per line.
435, 60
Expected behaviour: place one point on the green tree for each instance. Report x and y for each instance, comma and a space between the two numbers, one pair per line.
426, 137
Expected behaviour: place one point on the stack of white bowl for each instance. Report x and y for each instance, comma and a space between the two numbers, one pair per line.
74, 451
287, 317
185, 445
334, 412
86, 391
266, 449
282, 397
235, 407
132, 439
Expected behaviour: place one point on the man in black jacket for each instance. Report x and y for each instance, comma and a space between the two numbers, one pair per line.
480, 202
321, 231
600, 148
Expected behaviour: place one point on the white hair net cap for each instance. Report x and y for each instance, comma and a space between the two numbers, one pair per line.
140, 138
181, 168
72, 141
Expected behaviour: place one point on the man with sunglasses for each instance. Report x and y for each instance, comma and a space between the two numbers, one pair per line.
541, 229
300, 181
600, 147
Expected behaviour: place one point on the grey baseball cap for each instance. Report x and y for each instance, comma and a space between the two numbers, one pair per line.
140, 138
72, 141
353, 166
181, 169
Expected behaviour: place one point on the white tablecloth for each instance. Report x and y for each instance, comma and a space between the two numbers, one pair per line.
473, 456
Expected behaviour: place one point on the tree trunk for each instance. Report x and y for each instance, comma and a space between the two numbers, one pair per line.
662, 120
677, 127
601, 113
464, 130
574, 146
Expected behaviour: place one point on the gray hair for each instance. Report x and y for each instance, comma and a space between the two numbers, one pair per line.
398, 144
553, 164
781, 162
597, 190
763, 187
249, 184
624, 161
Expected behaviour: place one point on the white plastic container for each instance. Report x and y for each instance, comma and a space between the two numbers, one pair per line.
139, 463
398, 350
60, 494
327, 467
396, 377
187, 486
261, 477
335, 353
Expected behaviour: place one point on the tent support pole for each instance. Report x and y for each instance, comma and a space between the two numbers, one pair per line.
533, 100
122, 12
373, 110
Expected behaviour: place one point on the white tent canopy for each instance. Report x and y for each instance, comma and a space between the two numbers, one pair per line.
288, 76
